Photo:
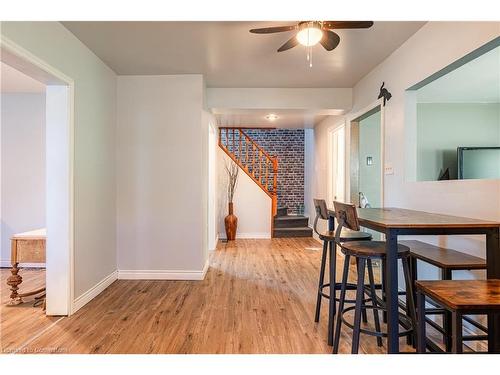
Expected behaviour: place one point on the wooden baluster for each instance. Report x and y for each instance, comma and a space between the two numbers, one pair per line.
246, 153
234, 150
239, 149
253, 161
267, 168
260, 166
275, 174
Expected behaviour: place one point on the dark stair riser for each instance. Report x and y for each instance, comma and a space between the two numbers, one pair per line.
288, 233
282, 211
291, 222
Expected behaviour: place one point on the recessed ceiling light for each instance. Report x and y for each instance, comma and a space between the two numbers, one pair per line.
272, 117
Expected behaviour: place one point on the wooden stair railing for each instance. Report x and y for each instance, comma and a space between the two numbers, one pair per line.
261, 167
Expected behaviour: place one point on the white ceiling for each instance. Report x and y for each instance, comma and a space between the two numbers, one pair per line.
287, 118
13, 81
478, 81
229, 56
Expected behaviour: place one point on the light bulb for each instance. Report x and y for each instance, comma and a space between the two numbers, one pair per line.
309, 36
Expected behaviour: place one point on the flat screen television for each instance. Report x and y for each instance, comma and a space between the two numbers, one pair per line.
478, 162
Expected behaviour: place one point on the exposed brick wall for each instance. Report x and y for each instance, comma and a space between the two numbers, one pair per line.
288, 146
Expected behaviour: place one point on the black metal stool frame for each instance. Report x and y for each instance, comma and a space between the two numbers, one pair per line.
363, 261
330, 250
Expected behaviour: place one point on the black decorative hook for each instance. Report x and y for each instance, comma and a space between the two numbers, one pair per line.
384, 93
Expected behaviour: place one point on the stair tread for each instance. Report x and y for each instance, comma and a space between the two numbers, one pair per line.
290, 217
292, 229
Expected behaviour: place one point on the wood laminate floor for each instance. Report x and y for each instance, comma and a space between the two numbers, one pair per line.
258, 297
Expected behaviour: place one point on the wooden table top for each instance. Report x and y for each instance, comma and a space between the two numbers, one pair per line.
463, 294
404, 218
38, 234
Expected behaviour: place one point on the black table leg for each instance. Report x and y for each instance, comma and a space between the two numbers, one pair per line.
493, 272
391, 280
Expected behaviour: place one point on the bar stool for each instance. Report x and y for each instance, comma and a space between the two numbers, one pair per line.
365, 253
328, 239
459, 298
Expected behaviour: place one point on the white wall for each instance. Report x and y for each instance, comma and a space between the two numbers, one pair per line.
309, 153
23, 166
280, 98
433, 47
319, 181
213, 231
252, 206
94, 138
162, 177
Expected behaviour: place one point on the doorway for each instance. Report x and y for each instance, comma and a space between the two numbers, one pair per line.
212, 186
366, 159
58, 173
336, 181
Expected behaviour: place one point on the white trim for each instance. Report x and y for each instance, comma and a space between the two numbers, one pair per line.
23, 57
331, 130
163, 274
349, 119
248, 236
93, 292
216, 242
8, 264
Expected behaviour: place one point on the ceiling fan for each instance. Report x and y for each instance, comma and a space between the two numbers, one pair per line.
310, 33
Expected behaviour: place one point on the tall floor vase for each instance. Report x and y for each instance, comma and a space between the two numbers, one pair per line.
231, 224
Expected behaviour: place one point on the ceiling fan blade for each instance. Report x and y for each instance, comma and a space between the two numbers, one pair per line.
292, 42
270, 30
330, 40
347, 24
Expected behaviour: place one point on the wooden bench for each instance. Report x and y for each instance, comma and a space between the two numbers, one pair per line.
447, 260
459, 298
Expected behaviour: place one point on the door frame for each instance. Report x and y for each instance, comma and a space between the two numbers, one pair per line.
352, 157
330, 188
60, 165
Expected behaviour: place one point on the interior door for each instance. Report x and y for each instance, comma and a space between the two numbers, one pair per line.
337, 175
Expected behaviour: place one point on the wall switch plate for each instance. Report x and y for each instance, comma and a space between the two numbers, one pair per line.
369, 160
388, 169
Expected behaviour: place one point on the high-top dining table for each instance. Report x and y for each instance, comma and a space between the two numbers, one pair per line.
394, 222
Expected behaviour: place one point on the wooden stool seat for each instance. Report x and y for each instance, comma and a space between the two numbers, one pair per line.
346, 236
371, 249
467, 295
447, 260
444, 258
459, 298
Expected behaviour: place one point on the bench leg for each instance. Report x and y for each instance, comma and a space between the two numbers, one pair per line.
421, 322
457, 343
447, 325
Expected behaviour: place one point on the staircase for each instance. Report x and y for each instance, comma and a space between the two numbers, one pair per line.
291, 226
262, 168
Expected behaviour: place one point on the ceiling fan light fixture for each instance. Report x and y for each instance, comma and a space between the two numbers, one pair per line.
310, 34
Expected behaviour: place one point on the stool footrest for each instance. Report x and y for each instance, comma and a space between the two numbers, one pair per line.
402, 318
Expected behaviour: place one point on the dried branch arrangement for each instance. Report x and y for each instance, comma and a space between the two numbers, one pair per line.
232, 171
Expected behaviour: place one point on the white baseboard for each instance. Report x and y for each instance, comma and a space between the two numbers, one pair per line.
163, 274
8, 264
256, 235
93, 292
216, 242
